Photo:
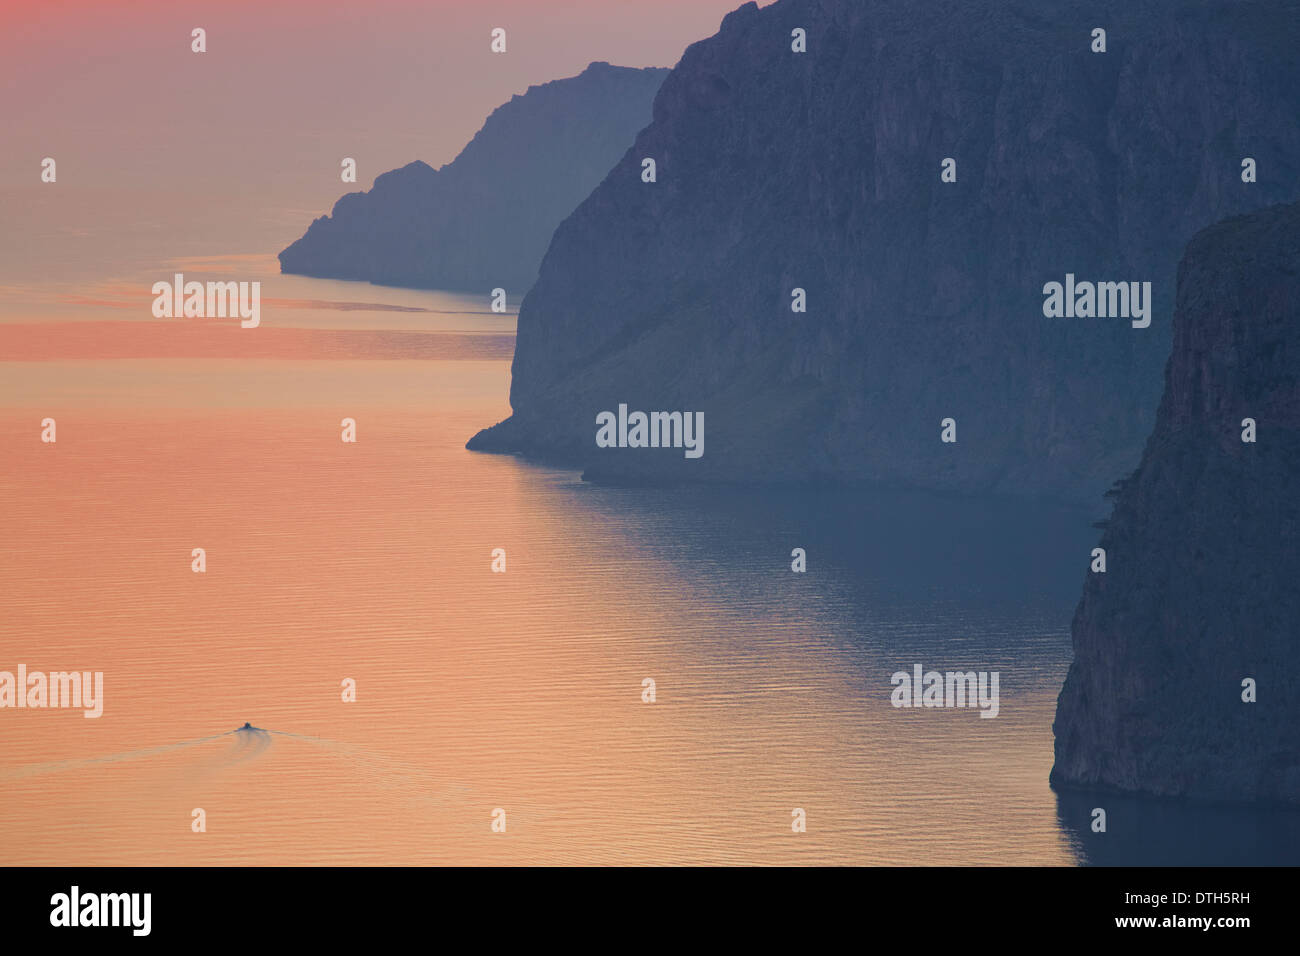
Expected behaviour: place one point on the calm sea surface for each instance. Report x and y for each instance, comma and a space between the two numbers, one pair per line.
477, 690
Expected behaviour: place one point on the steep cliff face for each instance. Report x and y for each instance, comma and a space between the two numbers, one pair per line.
484, 219
1200, 591
821, 170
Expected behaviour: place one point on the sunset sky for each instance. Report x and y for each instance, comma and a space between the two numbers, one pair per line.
167, 152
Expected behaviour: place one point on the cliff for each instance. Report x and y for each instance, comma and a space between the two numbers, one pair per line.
822, 171
484, 220
1202, 563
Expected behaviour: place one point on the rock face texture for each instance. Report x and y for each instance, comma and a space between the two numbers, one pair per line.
483, 220
1200, 590
779, 170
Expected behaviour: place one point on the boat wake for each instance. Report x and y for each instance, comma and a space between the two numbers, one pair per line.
242, 745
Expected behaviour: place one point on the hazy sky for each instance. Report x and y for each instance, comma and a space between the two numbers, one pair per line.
238, 148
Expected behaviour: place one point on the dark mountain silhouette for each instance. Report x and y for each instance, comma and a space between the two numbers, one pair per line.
484, 220
1200, 589
821, 170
